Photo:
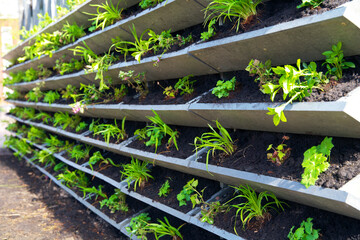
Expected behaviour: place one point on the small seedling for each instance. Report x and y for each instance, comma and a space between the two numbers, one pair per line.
165, 189
281, 152
304, 232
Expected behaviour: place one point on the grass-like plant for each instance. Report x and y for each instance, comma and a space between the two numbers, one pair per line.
80, 152
106, 15
240, 10
73, 179
110, 131
310, 3
136, 171
164, 228
36, 135
51, 97
64, 120
215, 141
90, 191
253, 207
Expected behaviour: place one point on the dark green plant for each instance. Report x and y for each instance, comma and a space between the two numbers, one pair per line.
120, 93
98, 158
253, 207
223, 88
116, 202
165, 189
80, 152
162, 229
27, 113
335, 61
144, 4
60, 167
316, 160
137, 226
304, 232
51, 97
14, 95
136, 171
185, 194
310, 3
214, 141
240, 10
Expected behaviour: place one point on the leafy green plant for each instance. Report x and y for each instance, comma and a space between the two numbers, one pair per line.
73, 179
14, 95
254, 207
243, 10
184, 85
304, 232
106, 15
110, 131
136, 171
137, 82
80, 152
68, 67
144, 4
165, 189
34, 95
335, 61
45, 158
70, 92
82, 126
12, 127
280, 153
59, 167
210, 32
156, 132
262, 70
64, 120
51, 97
98, 158
293, 82
162, 229
223, 88
43, 116
137, 226
310, 3
215, 141
316, 161
31, 75
93, 191
44, 72
26, 113
71, 32
116, 202
185, 194
36, 135
120, 93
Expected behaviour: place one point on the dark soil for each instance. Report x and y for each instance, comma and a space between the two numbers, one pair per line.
188, 231
177, 180
248, 91
251, 157
130, 128
331, 225
184, 142
156, 96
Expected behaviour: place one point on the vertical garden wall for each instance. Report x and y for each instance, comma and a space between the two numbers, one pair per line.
168, 115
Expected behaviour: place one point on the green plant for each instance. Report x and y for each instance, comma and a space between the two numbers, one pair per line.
44, 157
304, 232
293, 82
26, 113
137, 226
44, 72
80, 152
120, 93
162, 229
98, 158
64, 120
210, 32
157, 131
73, 179
281, 152
136, 171
59, 167
335, 61
223, 88
36, 135
34, 95
144, 4
214, 141
310, 3
12, 127
316, 161
82, 126
165, 189
185, 194
70, 92
137, 82
254, 207
116, 202
14, 95
93, 191
44, 117
262, 70
232, 9
110, 131
31, 75
106, 15
185, 85
72, 66
71, 32
51, 97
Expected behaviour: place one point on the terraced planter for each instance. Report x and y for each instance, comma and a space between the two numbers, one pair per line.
77, 15
171, 14
311, 35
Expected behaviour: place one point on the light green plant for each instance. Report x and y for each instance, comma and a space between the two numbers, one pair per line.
165, 189
304, 232
89, 191
223, 88
316, 161
110, 131
106, 15
164, 228
137, 226
73, 179
210, 32
51, 97
80, 152
185, 194
116, 202
98, 158
136, 171
310, 3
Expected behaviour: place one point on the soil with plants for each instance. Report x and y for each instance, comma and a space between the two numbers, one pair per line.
185, 141
251, 156
331, 225
176, 180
